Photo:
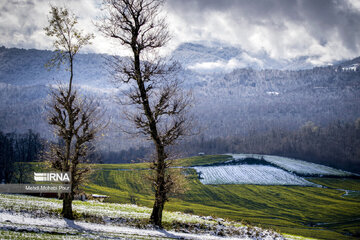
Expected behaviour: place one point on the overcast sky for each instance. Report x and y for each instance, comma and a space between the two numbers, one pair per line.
329, 30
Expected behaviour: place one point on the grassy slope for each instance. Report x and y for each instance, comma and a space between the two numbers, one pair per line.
184, 162
288, 209
91, 212
340, 183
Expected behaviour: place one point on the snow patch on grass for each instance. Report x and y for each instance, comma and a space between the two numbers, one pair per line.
24, 217
20, 222
20, 203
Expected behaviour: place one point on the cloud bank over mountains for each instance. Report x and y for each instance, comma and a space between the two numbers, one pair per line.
324, 30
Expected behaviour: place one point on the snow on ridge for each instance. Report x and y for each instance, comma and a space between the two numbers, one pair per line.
249, 174
295, 165
353, 67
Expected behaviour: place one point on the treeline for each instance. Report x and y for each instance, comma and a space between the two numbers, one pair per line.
131, 155
16, 148
336, 145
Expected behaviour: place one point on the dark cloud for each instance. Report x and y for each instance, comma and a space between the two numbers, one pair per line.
324, 20
283, 28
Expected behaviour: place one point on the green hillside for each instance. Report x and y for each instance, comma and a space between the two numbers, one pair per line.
322, 213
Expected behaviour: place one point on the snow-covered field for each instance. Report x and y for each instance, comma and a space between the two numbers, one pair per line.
26, 217
295, 165
249, 174
270, 170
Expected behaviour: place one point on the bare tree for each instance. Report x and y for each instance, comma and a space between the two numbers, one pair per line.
75, 119
159, 106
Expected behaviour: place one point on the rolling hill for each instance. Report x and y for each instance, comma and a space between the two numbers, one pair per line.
321, 207
324, 208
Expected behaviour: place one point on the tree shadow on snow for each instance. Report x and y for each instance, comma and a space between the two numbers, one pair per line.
169, 235
72, 224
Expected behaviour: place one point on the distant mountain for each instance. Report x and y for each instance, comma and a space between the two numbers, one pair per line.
27, 67
220, 57
233, 93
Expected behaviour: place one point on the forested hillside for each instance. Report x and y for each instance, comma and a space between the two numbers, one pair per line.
250, 108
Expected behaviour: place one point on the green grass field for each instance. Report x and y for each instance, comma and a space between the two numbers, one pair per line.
322, 213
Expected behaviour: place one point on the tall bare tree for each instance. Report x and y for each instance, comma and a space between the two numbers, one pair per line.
75, 119
159, 105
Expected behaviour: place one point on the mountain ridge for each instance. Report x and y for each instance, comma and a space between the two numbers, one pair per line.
190, 53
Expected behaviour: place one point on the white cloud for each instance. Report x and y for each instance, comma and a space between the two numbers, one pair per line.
218, 66
22, 23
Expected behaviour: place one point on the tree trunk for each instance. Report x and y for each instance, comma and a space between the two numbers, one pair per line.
160, 191
67, 206
156, 215
160, 198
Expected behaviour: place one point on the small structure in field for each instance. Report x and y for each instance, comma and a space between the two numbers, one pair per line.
81, 196
201, 153
98, 197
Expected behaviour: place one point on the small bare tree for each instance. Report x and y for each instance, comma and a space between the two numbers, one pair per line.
159, 106
75, 119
